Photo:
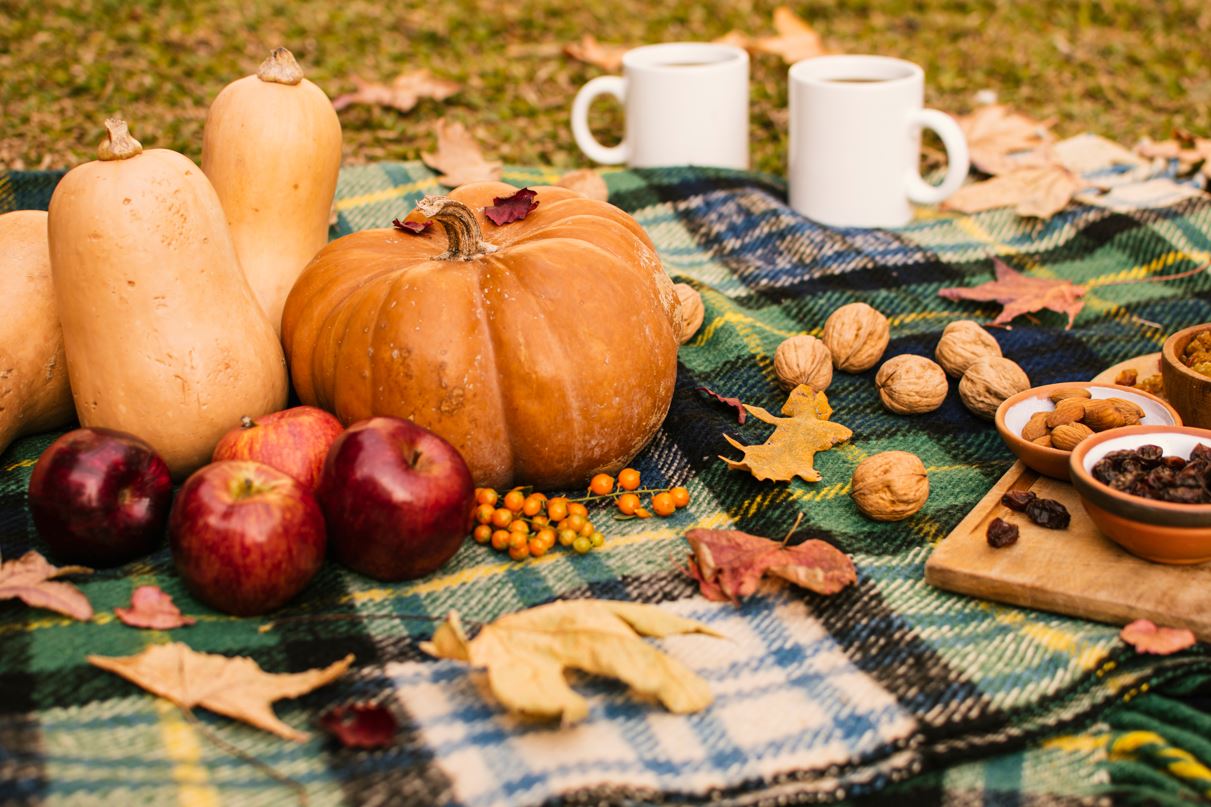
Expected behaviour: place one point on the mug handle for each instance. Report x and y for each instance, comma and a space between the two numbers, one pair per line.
602, 85
957, 159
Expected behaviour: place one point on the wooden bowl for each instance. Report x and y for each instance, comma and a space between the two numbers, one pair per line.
1165, 532
1013, 413
1188, 391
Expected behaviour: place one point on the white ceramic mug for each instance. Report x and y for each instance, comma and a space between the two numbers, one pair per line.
686, 103
855, 141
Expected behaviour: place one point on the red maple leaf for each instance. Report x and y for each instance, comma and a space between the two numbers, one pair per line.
360, 725
1021, 294
735, 403
728, 564
152, 608
1146, 637
505, 209
415, 223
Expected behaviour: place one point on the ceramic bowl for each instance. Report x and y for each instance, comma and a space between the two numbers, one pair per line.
1188, 391
1016, 410
1165, 532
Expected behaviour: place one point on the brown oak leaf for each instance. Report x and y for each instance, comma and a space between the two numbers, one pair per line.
791, 449
507, 209
152, 608
590, 51
735, 403
795, 39
1189, 150
1001, 141
527, 652
458, 157
729, 564
404, 93
586, 181
360, 725
232, 686
1146, 637
29, 579
1021, 294
1039, 191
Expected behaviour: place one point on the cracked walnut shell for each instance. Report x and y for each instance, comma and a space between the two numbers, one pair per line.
692, 310
856, 335
963, 343
890, 486
803, 360
991, 380
909, 384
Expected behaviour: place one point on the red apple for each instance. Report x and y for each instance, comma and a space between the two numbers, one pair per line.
295, 441
245, 537
396, 498
100, 497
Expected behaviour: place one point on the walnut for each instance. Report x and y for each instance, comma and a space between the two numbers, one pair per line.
963, 343
1066, 436
909, 384
890, 486
692, 311
990, 381
803, 360
856, 335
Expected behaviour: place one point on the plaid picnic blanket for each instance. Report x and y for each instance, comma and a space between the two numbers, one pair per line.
889, 690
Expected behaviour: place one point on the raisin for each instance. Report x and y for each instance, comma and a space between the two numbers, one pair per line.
1048, 513
1150, 453
1176, 463
1001, 533
1161, 476
1183, 495
1103, 471
1202, 451
1017, 499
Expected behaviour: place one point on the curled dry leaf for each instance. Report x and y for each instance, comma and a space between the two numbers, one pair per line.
235, 687
360, 725
153, 609
30, 578
1039, 191
586, 181
1146, 637
791, 450
507, 209
415, 222
998, 138
735, 403
527, 652
590, 51
729, 564
458, 157
404, 93
1020, 294
1189, 151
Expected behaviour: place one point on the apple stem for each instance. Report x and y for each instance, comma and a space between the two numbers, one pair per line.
247, 422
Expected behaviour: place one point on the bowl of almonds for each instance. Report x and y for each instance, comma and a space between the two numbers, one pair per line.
1043, 424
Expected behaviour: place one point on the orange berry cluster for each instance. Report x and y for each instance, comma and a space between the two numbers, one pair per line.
529, 524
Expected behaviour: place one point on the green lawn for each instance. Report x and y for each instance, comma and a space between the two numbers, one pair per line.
1124, 68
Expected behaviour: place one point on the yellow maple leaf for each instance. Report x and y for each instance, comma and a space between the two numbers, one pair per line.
791, 450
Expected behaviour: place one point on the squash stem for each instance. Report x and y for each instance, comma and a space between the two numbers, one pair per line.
280, 68
462, 228
118, 144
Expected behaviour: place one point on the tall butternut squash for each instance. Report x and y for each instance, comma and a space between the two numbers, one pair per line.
163, 335
34, 394
272, 149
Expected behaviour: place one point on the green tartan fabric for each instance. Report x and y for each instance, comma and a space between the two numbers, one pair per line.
977, 702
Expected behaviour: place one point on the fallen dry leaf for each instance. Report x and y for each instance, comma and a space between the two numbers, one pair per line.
28, 578
794, 42
507, 209
236, 687
995, 133
1041, 192
1146, 637
729, 564
791, 449
415, 222
1020, 294
1152, 193
1189, 151
527, 652
404, 93
360, 725
590, 51
1086, 153
735, 403
458, 158
586, 181
152, 608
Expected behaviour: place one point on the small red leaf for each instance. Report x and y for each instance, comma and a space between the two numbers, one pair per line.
505, 209
728, 564
415, 223
152, 608
360, 725
1146, 637
736, 403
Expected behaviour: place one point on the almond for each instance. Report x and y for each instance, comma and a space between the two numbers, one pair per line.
1036, 427
1066, 436
1064, 393
1069, 410
1104, 414
1044, 441
1132, 413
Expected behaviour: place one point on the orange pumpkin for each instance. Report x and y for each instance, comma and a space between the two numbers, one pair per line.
545, 349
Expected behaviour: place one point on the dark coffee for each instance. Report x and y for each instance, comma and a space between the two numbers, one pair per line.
856, 80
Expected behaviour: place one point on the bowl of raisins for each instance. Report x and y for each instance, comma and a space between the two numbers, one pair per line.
1148, 488
1186, 373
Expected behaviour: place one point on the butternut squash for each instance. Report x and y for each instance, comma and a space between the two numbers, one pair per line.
164, 338
34, 394
272, 149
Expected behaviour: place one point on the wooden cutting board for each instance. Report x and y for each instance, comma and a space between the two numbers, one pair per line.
1077, 571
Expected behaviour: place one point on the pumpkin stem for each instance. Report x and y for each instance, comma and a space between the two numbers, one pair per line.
118, 144
462, 228
280, 68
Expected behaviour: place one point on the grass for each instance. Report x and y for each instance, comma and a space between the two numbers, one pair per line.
1122, 68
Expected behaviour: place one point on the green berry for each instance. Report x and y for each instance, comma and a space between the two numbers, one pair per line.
582, 545
597, 539
566, 537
